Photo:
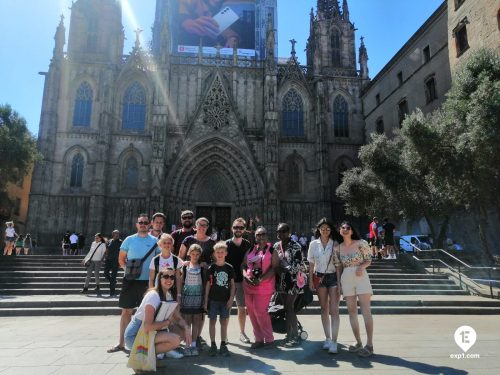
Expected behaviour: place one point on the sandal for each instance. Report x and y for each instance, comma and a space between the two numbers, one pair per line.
367, 351
355, 348
116, 348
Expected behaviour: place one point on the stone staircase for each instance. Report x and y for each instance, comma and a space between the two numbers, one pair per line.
51, 284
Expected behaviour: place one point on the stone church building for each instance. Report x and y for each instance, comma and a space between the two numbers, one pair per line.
222, 134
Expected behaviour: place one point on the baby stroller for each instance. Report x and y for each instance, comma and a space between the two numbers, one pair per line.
278, 314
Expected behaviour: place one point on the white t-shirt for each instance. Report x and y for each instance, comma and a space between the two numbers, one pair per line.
321, 256
151, 298
73, 238
10, 232
165, 262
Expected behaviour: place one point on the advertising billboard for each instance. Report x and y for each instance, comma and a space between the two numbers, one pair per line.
224, 24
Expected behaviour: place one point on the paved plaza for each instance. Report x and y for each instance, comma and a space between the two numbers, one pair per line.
404, 344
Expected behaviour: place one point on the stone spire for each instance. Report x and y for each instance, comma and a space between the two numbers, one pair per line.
60, 40
363, 59
270, 43
345, 11
328, 9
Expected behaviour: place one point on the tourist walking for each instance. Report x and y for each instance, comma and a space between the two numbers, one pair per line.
237, 247
111, 264
81, 243
355, 257
324, 276
93, 262
140, 247
10, 236
73, 244
28, 244
65, 243
19, 244
290, 279
388, 233
258, 267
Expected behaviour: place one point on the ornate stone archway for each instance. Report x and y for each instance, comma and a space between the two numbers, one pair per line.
217, 171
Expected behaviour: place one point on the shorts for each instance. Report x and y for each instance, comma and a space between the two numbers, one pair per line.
389, 241
240, 295
353, 285
73, 246
329, 280
10, 239
374, 242
131, 332
132, 293
217, 308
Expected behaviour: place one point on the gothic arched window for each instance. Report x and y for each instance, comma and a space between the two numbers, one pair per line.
83, 105
293, 114
134, 108
131, 174
340, 117
336, 48
76, 171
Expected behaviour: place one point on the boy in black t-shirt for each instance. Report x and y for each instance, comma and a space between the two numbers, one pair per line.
219, 295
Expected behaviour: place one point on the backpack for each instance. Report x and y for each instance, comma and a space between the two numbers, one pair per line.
156, 260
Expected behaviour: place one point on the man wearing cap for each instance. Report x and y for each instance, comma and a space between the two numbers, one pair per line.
187, 220
111, 266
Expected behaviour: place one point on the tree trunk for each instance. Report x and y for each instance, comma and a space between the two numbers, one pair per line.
483, 233
433, 231
442, 232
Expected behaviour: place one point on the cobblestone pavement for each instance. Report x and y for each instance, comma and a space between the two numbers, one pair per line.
404, 344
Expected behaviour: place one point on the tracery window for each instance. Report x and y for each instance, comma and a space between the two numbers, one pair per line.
131, 174
293, 114
340, 117
134, 108
83, 105
76, 171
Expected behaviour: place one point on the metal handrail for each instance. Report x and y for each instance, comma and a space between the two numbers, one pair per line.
459, 271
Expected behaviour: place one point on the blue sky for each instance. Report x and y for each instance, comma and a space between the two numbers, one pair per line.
28, 26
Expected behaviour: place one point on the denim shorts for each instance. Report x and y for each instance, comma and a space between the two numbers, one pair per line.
131, 332
217, 308
329, 280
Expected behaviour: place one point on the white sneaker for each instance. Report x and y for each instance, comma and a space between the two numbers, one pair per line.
327, 344
160, 356
333, 348
174, 354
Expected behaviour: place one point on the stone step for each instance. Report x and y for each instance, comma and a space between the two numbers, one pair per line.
376, 310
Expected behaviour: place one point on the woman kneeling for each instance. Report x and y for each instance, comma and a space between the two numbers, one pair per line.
170, 331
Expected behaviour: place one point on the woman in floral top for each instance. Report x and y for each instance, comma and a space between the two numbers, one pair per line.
287, 281
355, 257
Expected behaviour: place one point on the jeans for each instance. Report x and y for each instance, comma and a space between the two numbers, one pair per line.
110, 271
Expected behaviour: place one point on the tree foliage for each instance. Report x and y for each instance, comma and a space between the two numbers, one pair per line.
439, 163
18, 150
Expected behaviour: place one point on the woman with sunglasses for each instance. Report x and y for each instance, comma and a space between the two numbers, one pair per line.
258, 268
170, 332
200, 238
324, 266
94, 259
355, 257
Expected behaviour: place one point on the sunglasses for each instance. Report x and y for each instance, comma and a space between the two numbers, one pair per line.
143, 222
238, 228
189, 217
346, 228
260, 234
203, 225
166, 277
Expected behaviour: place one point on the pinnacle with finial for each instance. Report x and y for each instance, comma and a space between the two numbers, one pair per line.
293, 41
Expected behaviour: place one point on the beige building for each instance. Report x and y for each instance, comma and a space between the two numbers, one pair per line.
418, 76
472, 24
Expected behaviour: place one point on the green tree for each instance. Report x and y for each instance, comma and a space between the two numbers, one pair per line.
18, 152
460, 144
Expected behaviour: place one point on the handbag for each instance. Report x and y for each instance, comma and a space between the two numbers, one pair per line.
133, 267
143, 355
86, 263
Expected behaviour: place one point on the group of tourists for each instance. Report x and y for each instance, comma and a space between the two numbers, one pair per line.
381, 239
72, 243
204, 277
17, 244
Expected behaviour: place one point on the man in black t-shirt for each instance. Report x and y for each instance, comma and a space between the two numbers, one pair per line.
111, 266
389, 238
179, 235
237, 247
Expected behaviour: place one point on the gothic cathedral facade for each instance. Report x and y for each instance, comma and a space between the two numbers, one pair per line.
223, 135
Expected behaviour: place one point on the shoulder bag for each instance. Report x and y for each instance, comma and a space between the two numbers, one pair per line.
86, 263
133, 267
